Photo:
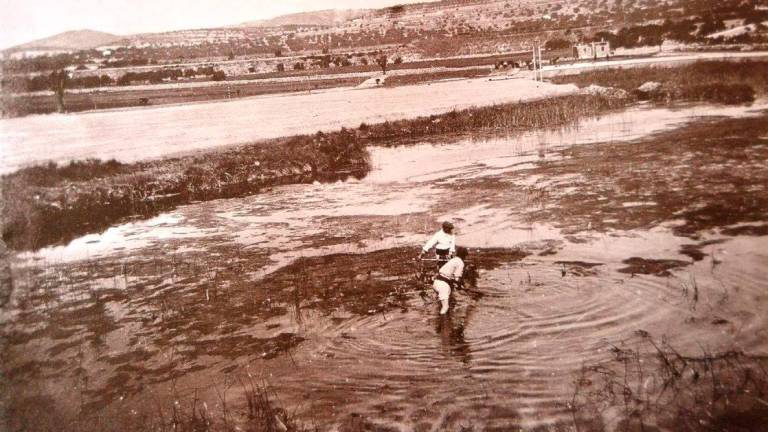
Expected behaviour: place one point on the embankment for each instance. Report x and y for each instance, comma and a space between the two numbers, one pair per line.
711, 81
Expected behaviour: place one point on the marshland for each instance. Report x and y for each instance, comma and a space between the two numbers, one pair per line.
618, 239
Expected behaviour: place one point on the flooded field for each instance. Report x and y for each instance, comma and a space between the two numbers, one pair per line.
644, 225
129, 135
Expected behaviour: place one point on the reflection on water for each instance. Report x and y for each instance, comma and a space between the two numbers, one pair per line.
429, 162
313, 287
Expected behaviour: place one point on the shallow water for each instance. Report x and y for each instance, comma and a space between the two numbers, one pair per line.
265, 284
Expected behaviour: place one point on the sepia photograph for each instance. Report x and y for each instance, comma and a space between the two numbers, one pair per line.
384, 216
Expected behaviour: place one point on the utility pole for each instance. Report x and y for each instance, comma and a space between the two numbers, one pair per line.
537, 74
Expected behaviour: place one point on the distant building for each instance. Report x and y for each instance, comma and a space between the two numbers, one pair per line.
592, 50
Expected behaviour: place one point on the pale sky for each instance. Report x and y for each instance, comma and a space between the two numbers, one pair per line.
26, 20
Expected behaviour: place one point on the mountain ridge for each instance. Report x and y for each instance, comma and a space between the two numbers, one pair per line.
325, 17
68, 40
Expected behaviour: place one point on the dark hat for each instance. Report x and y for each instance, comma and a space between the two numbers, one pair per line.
447, 226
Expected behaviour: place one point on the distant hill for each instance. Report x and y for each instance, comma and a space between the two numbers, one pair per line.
327, 17
69, 41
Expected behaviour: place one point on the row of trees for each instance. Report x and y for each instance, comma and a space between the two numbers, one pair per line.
324, 62
21, 84
42, 82
158, 76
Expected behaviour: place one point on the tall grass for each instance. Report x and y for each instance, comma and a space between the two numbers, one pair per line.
714, 81
47, 204
506, 118
653, 386
183, 413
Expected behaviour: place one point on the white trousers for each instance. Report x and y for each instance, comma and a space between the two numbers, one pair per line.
442, 288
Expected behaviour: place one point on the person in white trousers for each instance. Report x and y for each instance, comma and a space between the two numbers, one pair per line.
449, 277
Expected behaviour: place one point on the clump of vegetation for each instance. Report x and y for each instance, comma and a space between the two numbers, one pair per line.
51, 174
652, 386
711, 81
717, 93
263, 414
505, 118
400, 80
47, 204
185, 414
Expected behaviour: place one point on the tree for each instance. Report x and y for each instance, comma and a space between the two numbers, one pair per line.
280, 67
58, 80
711, 25
382, 62
554, 44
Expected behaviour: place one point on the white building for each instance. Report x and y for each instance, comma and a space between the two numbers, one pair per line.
592, 50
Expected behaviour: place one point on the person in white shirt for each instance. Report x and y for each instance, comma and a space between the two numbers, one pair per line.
444, 242
449, 276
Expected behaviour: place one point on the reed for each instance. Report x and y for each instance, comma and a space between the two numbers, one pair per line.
650, 385
712, 81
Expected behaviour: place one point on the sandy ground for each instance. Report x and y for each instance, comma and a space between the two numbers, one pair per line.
134, 134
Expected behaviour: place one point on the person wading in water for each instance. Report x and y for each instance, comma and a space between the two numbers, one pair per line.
444, 242
449, 277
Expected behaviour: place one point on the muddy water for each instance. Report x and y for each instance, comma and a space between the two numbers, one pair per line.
650, 220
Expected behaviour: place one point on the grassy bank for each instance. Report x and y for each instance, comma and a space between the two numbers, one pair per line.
399, 80
18, 106
545, 113
711, 81
49, 204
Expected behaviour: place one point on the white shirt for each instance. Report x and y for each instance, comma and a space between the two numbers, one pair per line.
441, 240
453, 269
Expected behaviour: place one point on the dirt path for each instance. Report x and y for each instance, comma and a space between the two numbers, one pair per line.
135, 134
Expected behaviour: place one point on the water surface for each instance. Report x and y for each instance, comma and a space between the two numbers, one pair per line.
311, 287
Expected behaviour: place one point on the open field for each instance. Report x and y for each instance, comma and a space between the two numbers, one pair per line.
145, 133
79, 100
83, 99
125, 97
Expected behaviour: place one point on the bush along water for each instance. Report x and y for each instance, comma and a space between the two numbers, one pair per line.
50, 204
45, 205
712, 81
